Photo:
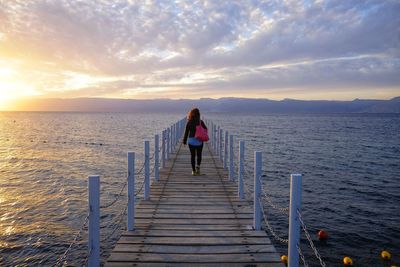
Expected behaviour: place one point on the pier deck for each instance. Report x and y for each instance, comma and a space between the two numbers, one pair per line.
194, 221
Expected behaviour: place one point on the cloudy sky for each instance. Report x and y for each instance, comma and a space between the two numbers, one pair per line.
311, 49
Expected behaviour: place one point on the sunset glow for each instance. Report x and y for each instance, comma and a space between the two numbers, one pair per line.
182, 49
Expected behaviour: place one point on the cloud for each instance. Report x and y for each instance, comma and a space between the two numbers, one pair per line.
214, 46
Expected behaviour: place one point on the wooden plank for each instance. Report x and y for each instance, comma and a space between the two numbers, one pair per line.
194, 233
194, 258
194, 216
205, 249
177, 264
192, 227
195, 221
195, 241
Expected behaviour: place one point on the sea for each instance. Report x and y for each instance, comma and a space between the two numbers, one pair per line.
350, 164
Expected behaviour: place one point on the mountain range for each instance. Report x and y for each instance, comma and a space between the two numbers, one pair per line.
229, 105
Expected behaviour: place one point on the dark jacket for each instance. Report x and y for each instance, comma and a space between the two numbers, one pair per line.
191, 129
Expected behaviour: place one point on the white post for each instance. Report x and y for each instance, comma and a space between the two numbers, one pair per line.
168, 144
171, 145
94, 221
176, 133
218, 140
215, 138
231, 165
221, 155
163, 149
294, 222
226, 151
131, 191
241, 170
146, 170
173, 136
156, 158
257, 190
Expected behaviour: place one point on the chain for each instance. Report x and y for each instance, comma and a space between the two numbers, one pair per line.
116, 198
310, 240
118, 222
301, 256
140, 189
152, 170
282, 240
141, 169
60, 260
270, 202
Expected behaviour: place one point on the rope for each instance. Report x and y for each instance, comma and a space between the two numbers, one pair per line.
310, 240
63, 258
282, 240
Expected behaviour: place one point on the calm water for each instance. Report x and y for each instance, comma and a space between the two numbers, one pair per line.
351, 184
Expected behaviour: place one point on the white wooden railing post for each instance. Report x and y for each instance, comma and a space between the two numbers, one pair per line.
94, 221
218, 140
168, 144
257, 190
171, 145
226, 151
221, 155
213, 137
131, 191
294, 222
146, 170
231, 165
156, 158
173, 136
241, 170
163, 149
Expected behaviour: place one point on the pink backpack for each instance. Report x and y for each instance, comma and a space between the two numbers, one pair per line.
201, 133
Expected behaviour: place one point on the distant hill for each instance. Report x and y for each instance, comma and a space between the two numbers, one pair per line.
231, 105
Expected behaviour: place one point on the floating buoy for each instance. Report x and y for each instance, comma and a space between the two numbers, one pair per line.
322, 235
385, 255
284, 259
347, 261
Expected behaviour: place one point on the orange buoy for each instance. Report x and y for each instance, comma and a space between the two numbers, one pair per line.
322, 235
347, 261
385, 255
284, 259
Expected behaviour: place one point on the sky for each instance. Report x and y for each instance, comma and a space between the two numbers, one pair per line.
311, 49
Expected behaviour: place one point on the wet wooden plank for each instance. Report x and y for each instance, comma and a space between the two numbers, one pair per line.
194, 258
204, 249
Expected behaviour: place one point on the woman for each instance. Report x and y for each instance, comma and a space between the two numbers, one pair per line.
195, 146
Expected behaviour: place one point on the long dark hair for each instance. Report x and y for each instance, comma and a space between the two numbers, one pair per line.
194, 115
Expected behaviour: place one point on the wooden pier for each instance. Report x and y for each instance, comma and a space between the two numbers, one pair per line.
194, 221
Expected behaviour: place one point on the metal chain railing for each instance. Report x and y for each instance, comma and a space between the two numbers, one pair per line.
282, 240
140, 189
141, 168
117, 223
310, 240
116, 198
63, 258
302, 256
270, 202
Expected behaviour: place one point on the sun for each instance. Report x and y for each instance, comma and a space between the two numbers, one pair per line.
12, 87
